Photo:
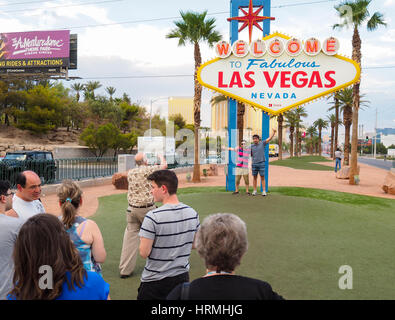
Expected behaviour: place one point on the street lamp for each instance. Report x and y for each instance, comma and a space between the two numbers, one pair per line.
150, 115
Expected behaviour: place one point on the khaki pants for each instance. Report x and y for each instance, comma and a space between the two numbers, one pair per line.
131, 239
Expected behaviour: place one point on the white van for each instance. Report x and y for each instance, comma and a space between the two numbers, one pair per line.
273, 150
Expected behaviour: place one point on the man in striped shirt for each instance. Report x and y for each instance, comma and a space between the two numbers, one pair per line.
243, 155
166, 239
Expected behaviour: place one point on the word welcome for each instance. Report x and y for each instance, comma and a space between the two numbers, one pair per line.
276, 47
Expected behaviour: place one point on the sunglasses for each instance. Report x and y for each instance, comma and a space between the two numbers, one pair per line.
9, 194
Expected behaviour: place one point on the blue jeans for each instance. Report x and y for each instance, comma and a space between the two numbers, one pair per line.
338, 163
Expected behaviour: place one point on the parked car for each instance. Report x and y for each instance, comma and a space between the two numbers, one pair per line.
212, 159
41, 162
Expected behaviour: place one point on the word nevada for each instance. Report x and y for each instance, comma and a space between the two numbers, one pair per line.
276, 46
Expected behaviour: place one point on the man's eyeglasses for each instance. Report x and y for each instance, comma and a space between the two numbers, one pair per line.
8, 194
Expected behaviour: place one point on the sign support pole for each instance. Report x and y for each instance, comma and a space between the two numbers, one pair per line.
266, 116
232, 104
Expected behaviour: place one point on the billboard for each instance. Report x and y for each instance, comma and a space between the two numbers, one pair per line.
35, 50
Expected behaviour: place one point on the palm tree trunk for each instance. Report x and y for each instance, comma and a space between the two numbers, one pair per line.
280, 120
196, 112
356, 55
347, 144
332, 142
319, 141
336, 126
300, 144
297, 142
291, 145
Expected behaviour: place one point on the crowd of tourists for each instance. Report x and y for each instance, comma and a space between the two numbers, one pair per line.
46, 257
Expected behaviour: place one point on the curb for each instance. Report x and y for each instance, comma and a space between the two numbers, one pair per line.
51, 188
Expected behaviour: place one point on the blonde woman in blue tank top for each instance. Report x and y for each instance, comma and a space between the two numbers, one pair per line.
84, 233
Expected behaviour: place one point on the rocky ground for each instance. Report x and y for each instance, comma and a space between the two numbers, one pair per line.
14, 139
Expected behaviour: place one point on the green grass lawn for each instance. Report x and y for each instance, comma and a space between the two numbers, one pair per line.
298, 239
304, 163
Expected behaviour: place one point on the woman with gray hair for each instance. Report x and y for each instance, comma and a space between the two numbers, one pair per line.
222, 241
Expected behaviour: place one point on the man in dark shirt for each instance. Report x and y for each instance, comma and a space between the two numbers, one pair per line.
258, 160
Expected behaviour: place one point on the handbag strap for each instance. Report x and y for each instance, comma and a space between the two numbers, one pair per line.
185, 291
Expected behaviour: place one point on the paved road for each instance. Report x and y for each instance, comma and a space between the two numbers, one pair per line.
387, 165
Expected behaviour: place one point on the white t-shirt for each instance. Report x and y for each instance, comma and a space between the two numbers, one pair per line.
27, 209
338, 154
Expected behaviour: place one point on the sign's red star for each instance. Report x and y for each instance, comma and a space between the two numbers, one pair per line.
250, 19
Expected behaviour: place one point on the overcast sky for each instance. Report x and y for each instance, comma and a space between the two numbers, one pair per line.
137, 45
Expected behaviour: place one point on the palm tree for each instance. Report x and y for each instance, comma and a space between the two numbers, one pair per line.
194, 28
345, 104
345, 99
280, 120
356, 18
299, 113
90, 88
111, 91
332, 120
77, 87
337, 120
312, 131
316, 144
320, 124
290, 122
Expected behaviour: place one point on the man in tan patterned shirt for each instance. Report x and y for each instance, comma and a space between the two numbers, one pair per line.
140, 201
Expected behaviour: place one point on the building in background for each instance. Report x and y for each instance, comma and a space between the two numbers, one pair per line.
386, 136
183, 106
252, 119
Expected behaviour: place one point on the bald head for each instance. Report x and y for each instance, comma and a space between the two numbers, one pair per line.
28, 184
139, 158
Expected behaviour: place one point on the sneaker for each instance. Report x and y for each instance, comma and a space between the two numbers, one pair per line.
264, 193
254, 193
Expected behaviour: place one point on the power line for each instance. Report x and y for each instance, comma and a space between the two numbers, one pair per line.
302, 3
28, 2
379, 67
170, 18
181, 75
64, 6
140, 77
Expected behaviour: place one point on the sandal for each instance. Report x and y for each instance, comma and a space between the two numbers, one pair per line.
236, 192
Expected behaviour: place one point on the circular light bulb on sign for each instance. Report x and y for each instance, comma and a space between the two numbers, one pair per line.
331, 46
312, 47
294, 47
222, 49
275, 47
258, 48
240, 48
